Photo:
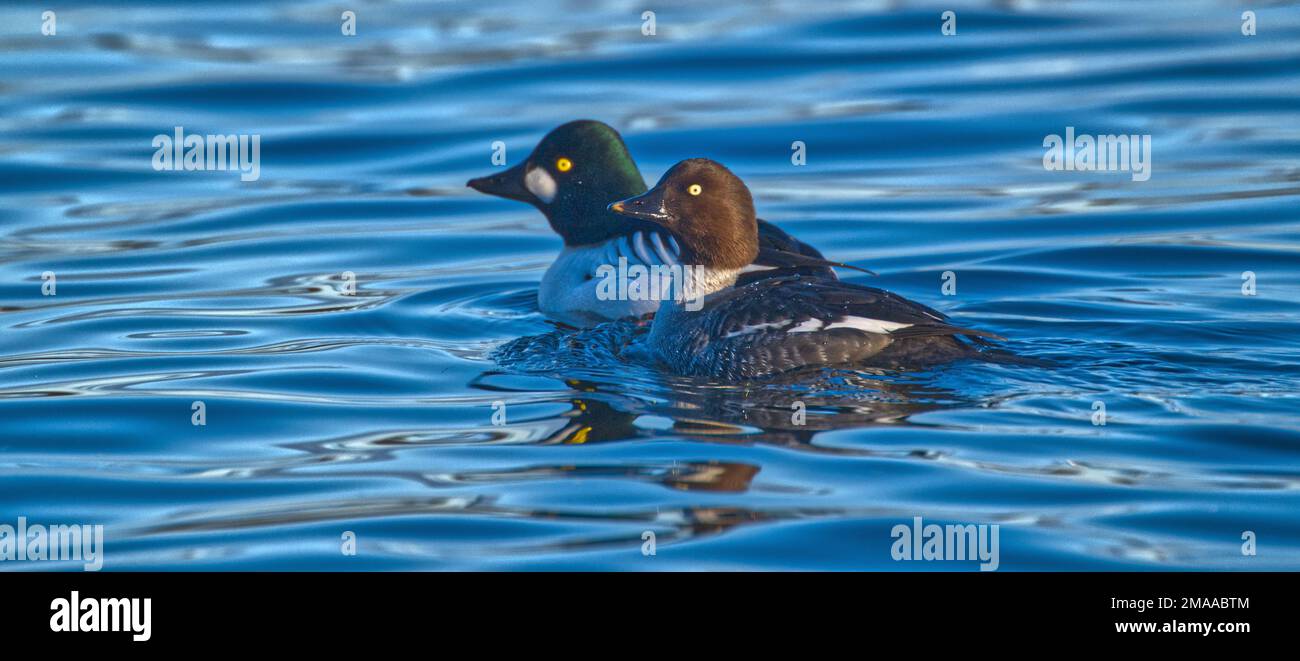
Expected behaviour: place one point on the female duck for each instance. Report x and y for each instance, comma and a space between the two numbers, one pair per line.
778, 324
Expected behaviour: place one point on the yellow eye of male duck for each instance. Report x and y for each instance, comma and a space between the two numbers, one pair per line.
695, 189
563, 164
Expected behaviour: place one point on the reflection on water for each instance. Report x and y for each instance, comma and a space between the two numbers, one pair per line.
373, 412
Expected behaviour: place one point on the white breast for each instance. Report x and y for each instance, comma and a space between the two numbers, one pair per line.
569, 288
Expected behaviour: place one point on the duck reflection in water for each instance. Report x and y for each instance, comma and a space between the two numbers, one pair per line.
774, 413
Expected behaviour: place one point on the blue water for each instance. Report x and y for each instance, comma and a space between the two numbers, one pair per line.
372, 413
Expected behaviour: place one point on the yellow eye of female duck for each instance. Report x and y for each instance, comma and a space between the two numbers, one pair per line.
695, 189
563, 164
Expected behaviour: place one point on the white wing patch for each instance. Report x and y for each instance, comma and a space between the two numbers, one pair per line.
868, 325
864, 324
539, 183
754, 328
808, 326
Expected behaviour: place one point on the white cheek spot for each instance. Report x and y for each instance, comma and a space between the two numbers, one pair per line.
539, 183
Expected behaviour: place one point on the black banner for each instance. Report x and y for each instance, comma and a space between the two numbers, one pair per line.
110, 609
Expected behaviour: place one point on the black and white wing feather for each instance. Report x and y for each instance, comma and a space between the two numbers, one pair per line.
798, 304
790, 322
